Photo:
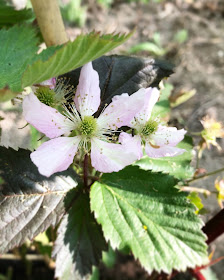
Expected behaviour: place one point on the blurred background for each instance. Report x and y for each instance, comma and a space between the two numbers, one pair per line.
187, 33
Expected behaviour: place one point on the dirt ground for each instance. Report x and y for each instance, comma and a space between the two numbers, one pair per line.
199, 65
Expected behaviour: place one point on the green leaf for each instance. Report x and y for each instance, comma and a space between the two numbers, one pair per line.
18, 50
148, 46
196, 200
9, 16
124, 74
72, 55
29, 202
178, 166
79, 243
181, 36
162, 107
146, 213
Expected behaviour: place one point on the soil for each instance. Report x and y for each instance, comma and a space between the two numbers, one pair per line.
199, 65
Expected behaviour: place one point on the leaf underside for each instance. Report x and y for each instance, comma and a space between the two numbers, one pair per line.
146, 213
124, 74
29, 202
79, 243
178, 166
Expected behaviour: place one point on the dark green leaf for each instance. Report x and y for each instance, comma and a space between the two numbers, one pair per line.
178, 166
17, 51
9, 16
79, 243
29, 202
124, 74
146, 213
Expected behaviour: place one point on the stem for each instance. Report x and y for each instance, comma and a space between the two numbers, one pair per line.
214, 227
206, 175
198, 157
197, 190
50, 21
85, 170
197, 274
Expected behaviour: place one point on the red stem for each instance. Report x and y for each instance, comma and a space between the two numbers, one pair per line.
214, 227
197, 274
85, 170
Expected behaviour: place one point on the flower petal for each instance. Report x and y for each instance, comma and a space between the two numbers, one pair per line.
165, 151
151, 97
132, 142
122, 109
51, 83
87, 97
55, 155
44, 118
167, 136
110, 157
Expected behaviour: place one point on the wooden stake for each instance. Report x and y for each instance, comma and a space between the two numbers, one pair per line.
50, 21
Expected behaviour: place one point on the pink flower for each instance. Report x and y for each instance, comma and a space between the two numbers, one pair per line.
159, 140
88, 134
51, 83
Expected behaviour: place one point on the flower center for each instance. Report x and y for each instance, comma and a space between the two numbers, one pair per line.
46, 95
88, 126
149, 128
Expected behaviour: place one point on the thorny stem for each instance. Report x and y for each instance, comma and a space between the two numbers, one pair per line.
214, 227
85, 170
205, 175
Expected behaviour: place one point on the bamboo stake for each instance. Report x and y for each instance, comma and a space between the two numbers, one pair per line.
50, 21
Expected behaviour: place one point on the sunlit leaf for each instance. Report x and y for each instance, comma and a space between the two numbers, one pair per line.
146, 213
179, 166
85, 48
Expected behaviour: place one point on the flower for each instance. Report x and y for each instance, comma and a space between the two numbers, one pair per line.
159, 140
212, 130
53, 93
88, 134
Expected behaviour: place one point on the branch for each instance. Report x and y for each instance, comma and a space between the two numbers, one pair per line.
215, 227
50, 21
205, 175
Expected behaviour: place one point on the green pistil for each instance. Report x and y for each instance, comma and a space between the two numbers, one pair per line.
46, 96
88, 126
149, 128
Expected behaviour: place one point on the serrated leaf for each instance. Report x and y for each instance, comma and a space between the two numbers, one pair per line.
79, 243
9, 16
85, 48
178, 166
124, 74
17, 51
29, 202
146, 213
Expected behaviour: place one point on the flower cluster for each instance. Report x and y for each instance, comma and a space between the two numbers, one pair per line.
76, 129
212, 130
